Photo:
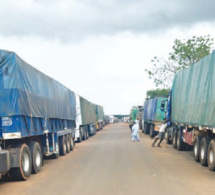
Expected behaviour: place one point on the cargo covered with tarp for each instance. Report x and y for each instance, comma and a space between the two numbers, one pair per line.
88, 111
100, 113
152, 110
26, 91
133, 113
193, 94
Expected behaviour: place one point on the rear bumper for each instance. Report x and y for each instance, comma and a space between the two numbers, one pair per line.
4, 161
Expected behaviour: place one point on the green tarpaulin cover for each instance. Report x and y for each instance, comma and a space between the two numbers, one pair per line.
193, 94
100, 113
88, 111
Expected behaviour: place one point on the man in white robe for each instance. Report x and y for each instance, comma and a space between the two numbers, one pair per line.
135, 132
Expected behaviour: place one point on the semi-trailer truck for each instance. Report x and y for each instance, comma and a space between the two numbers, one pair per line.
153, 115
191, 106
100, 117
106, 119
133, 114
85, 119
136, 113
37, 117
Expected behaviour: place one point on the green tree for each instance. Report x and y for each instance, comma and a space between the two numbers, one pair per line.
184, 54
157, 93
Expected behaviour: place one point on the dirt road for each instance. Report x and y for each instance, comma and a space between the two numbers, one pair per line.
109, 163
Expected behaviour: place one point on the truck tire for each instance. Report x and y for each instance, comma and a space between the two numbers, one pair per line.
62, 145
57, 154
211, 155
24, 170
72, 144
174, 138
180, 145
143, 128
146, 128
140, 124
203, 151
6, 177
168, 141
36, 156
152, 131
80, 136
87, 133
68, 142
196, 146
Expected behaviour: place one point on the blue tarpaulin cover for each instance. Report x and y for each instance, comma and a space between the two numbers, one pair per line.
26, 91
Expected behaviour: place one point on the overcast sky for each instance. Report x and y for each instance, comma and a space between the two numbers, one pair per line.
100, 48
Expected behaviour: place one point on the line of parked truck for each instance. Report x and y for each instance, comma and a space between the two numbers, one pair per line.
39, 117
190, 107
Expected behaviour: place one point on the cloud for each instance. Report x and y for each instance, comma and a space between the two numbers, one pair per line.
100, 48
77, 19
99, 69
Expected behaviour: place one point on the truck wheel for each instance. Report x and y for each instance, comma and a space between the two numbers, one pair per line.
196, 146
87, 133
180, 145
143, 128
71, 144
174, 138
24, 170
62, 145
204, 151
211, 155
168, 141
56, 155
6, 177
68, 142
140, 125
152, 131
36, 155
146, 128
80, 136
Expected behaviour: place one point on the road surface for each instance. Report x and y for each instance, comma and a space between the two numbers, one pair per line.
109, 163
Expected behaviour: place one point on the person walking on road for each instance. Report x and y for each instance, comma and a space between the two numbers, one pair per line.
161, 134
135, 131
131, 125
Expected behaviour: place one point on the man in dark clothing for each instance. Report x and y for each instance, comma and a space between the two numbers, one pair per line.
131, 125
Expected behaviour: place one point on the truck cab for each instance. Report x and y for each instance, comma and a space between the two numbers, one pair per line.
78, 121
154, 115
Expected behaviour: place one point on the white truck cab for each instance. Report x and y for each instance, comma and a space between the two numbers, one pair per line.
78, 120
